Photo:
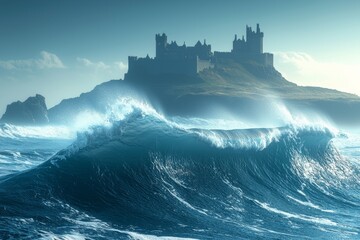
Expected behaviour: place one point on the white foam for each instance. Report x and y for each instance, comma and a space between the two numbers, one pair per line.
44, 132
245, 139
306, 218
89, 222
181, 200
310, 204
175, 172
335, 171
70, 236
138, 236
210, 124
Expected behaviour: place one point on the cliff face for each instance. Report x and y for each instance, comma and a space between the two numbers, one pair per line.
33, 111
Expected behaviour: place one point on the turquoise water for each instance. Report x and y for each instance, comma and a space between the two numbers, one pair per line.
146, 177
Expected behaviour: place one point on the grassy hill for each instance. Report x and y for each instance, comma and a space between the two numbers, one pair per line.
240, 89
250, 80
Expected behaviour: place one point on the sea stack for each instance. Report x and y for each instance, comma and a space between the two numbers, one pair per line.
33, 111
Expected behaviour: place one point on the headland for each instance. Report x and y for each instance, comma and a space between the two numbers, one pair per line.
195, 81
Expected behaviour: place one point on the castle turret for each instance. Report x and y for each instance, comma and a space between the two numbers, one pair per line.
131, 63
239, 46
250, 49
161, 43
254, 40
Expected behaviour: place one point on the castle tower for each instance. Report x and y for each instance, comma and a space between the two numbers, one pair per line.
239, 45
254, 40
161, 43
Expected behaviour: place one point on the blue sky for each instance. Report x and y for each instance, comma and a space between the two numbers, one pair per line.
63, 48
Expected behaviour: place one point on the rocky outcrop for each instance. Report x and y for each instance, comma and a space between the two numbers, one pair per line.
33, 111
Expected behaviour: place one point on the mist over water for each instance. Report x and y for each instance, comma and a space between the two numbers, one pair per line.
133, 173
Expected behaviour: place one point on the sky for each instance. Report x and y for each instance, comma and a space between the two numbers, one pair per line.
62, 48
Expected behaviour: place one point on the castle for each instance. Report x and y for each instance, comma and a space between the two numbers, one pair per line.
249, 49
174, 59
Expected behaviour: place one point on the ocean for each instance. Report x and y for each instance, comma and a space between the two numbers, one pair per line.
137, 174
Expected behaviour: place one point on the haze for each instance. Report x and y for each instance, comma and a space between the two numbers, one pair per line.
62, 48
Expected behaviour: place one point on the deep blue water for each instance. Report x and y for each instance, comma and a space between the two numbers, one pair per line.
143, 176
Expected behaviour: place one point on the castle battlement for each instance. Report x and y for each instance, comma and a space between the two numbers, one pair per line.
249, 49
165, 50
172, 58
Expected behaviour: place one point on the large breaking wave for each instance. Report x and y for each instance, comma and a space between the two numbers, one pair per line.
143, 175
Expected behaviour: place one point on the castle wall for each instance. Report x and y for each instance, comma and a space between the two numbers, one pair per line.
265, 59
268, 59
141, 65
185, 66
223, 55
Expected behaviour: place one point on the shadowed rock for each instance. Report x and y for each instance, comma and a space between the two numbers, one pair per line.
33, 111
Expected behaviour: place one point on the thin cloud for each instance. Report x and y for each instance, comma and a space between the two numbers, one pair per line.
101, 66
102, 70
304, 69
47, 60
122, 66
88, 63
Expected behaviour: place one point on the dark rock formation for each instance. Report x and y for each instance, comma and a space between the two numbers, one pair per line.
33, 111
